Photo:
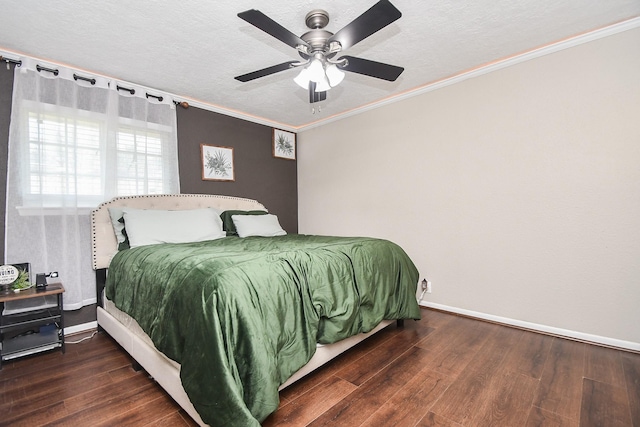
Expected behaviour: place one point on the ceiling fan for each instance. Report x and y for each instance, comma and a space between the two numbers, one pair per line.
318, 48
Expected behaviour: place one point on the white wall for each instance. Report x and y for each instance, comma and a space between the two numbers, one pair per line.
517, 193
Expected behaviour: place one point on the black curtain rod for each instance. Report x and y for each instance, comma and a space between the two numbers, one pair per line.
51, 70
159, 98
131, 91
86, 79
9, 60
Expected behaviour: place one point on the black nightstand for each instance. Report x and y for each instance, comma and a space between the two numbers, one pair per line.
31, 321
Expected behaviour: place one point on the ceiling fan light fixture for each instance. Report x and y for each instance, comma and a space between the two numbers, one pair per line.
334, 74
316, 71
323, 85
302, 79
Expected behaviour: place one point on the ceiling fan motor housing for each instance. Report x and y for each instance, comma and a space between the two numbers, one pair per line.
317, 19
317, 39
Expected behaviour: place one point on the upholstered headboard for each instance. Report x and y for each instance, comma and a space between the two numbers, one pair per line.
103, 240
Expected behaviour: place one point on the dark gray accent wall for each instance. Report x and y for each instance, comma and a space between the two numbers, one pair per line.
258, 175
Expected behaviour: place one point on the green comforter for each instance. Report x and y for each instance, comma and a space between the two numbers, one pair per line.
242, 315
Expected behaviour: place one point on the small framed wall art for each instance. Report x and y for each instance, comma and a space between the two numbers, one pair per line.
217, 163
284, 144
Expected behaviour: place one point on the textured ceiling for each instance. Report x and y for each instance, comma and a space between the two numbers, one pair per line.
194, 48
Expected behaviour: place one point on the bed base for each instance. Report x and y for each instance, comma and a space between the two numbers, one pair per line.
160, 367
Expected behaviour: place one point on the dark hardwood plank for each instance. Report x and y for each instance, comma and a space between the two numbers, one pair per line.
151, 412
60, 381
67, 373
58, 410
410, 404
604, 365
176, 419
469, 393
123, 373
312, 404
354, 356
529, 355
560, 387
453, 347
92, 396
433, 420
355, 408
542, 418
34, 418
631, 367
11, 390
60, 390
507, 402
41, 363
436, 319
604, 404
383, 354
104, 412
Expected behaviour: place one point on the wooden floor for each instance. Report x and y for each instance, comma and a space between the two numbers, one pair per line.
444, 370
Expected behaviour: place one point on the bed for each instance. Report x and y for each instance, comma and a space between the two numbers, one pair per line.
222, 324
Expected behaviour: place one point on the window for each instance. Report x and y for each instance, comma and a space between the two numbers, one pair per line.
139, 159
64, 160
70, 164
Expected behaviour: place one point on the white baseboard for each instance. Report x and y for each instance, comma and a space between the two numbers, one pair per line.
81, 328
597, 339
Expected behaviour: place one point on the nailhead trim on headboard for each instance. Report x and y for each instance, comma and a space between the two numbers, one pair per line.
103, 240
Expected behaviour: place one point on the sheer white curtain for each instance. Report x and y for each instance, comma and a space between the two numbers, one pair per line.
72, 145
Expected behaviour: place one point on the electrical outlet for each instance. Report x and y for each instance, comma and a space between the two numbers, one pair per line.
426, 286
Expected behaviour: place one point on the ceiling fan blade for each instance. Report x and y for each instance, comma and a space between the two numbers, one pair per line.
271, 27
265, 71
375, 69
379, 16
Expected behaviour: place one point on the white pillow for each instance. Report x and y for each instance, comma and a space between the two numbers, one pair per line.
153, 226
115, 214
257, 225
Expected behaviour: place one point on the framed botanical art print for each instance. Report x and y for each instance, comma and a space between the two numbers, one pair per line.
217, 163
284, 144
